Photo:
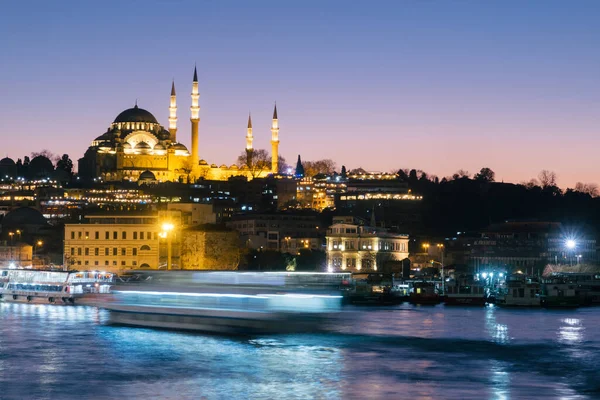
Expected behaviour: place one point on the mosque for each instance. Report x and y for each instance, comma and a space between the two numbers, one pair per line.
137, 148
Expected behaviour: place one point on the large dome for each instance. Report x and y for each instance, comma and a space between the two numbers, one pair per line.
136, 114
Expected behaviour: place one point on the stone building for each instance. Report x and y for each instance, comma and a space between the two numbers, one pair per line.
207, 247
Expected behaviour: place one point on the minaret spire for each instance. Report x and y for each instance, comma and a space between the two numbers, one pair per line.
195, 119
275, 142
173, 114
249, 140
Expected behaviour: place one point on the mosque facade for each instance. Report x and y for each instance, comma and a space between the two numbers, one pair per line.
136, 148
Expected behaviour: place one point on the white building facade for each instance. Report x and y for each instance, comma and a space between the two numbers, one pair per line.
353, 247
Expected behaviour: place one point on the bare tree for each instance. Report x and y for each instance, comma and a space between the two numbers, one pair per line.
325, 166
587, 188
461, 174
48, 154
547, 178
531, 183
259, 161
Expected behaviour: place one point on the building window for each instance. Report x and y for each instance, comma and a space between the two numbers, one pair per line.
351, 263
114, 263
79, 251
123, 235
134, 250
87, 251
96, 251
96, 235
79, 234
87, 262
87, 235
95, 262
78, 262
123, 263
149, 235
349, 245
123, 251
142, 235
72, 251
145, 247
135, 235
115, 235
72, 235
106, 262
114, 251
337, 262
107, 235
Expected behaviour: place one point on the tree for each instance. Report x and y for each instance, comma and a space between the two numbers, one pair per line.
65, 164
460, 174
48, 154
547, 179
344, 174
282, 166
325, 166
257, 161
587, 188
485, 175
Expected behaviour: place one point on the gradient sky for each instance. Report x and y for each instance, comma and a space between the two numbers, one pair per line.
432, 85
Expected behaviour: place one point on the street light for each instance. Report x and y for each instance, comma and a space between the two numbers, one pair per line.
11, 234
167, 227
570, 244
426, 247
36, 245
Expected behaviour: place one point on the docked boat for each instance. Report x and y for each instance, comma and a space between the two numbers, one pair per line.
372, 288
424, 293
519, 291
466, 291
228, 302
559, 291
64, 287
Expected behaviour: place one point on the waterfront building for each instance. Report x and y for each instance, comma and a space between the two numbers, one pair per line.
135, 147
113, 242
285, 231
354, 246
18, 255
210, 247
526, 246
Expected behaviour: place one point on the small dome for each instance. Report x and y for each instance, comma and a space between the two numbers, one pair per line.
178, 146
203, 162
159, 147
142, 146
234, 166
214, 166
7, 162
126, 146
136, 114
223, 166
147, 176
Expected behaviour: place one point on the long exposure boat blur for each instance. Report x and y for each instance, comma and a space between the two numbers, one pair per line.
64, 287
228, 302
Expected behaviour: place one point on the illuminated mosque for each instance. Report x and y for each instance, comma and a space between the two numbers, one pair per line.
135, 147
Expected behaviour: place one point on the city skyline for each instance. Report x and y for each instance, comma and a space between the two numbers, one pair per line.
467, 86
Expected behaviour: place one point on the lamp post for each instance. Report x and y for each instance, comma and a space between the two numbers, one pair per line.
440, 246
570, 244
35, 246
18, 235
167, 227
11, 234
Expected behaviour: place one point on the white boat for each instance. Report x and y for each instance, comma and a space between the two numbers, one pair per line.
228, 302
66, 287
519, 292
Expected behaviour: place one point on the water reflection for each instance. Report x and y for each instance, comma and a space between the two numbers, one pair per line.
403, 352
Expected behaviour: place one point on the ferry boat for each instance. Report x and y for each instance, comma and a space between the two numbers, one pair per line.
228, 302
559, 291
424, 293
519, 291
466, 291
66, 287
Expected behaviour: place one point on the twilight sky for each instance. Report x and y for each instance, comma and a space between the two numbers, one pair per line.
433, 85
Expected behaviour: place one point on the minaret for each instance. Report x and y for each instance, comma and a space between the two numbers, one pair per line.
173, 115
195, 118
249, 139
275, 143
